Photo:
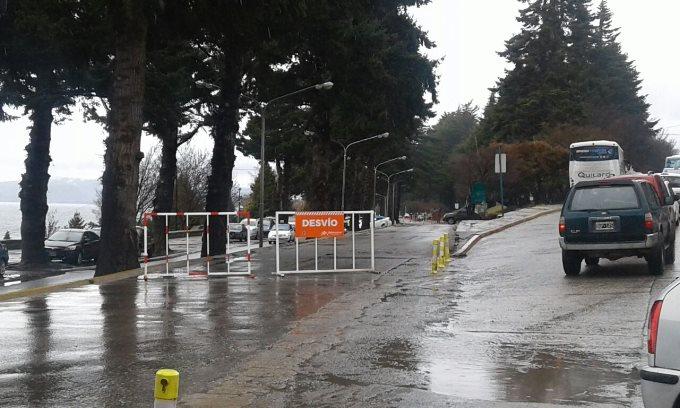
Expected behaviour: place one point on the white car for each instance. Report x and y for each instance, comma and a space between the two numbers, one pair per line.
382, 222
285, 232
673, 183
660, 379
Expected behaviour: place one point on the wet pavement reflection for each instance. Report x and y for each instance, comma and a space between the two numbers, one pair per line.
100, 345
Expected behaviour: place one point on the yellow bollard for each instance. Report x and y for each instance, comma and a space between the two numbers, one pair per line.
166, 388
440, 259
435, 255
447, 250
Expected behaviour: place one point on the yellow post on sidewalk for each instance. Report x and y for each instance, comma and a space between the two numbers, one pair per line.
440, 258
447, 250
166, 388
435, 255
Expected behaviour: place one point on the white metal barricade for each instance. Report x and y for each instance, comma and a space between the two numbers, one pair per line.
228, 257
299, 270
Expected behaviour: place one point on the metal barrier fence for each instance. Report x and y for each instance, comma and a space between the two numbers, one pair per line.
228, 258
321, 214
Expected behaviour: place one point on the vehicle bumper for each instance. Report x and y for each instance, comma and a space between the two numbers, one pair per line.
60, 254
650, 241
660, 386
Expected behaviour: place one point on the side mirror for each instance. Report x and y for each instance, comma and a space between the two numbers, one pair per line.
676, 197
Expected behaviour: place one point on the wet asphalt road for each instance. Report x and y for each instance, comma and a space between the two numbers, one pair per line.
100, 345
503, 327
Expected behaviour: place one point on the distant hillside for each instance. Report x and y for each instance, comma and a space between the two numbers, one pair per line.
60, 190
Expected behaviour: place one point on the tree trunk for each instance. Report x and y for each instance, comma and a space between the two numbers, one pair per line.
224, 133
163, 198
34, 184
118, 246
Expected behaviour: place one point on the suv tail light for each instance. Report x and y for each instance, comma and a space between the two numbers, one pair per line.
649, 222
654, 316
563, 226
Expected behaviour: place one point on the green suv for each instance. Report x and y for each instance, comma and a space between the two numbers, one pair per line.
614, 219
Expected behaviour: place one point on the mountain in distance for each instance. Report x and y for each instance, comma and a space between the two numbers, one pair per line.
60, 190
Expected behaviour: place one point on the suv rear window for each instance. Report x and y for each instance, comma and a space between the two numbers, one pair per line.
604, 198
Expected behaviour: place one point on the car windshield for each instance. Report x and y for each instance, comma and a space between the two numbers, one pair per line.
594, 153
282, 227
252, 222
66, 236
604, 198
673, 163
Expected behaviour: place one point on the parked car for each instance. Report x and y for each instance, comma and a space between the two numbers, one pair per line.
252, 224
673, 183
238, 232
285, 232
382, 222
456, 216
4, 259
615, 218
73, 245
661, 377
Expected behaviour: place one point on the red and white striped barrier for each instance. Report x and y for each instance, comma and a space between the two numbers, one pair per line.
187, 215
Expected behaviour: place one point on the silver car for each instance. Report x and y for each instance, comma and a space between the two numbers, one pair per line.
660, 379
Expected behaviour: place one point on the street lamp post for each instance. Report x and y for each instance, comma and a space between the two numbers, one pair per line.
388, 188
263, 107
375, 174
344, 160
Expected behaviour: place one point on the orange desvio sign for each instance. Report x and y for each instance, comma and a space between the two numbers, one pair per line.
319, 224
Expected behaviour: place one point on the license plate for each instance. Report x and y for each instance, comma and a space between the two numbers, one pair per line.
604, 226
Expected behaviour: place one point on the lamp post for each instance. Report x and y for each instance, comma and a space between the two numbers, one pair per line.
263, 107
344, 160
375, 174
388, 188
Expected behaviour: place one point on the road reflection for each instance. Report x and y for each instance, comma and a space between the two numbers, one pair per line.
38, 381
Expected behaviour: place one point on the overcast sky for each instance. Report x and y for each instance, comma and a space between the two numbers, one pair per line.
468, 34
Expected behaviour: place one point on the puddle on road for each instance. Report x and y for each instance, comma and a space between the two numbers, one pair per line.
526, 376
472, 367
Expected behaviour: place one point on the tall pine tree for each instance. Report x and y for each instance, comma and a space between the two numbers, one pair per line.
568, 70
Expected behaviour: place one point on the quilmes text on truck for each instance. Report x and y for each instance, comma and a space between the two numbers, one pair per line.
595, 160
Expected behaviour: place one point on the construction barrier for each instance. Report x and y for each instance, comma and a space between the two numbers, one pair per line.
230, 252
324, 226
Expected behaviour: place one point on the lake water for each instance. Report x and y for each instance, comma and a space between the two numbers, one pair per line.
10, 216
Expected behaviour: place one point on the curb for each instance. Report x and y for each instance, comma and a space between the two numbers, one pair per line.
97, 280
462, 252
41, 290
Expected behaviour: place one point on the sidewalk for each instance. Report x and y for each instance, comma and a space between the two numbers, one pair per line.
15, 285
468, 232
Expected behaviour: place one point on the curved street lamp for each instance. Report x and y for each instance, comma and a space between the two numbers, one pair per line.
375, 174
263, 106
387, 194
344, 159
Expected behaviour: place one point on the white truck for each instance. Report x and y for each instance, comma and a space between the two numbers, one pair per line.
660, 379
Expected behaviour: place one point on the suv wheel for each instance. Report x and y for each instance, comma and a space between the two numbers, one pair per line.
655, 260
592, 261
451, 220
571, 262
669, 254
